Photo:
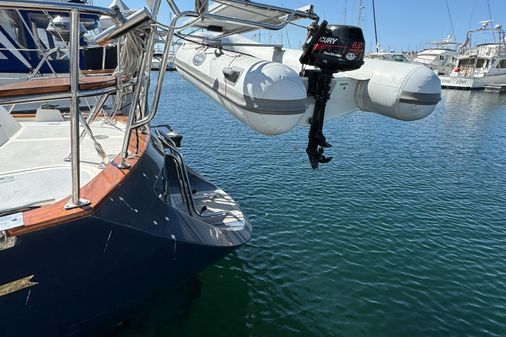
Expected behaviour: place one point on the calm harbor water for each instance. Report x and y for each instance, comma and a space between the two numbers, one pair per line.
402, 234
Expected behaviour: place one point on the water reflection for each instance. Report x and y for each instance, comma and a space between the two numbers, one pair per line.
220, 297
402, 234
472, 102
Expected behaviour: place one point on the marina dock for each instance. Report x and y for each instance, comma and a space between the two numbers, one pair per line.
497, 88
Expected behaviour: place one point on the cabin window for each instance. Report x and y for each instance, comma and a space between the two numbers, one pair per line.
502, 64
464, 63
399, 58
480, 63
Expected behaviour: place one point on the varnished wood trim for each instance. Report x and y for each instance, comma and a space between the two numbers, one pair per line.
55, 85
96, 191
23, 115
97, 71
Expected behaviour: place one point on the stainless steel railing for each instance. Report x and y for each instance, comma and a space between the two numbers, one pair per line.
57, 7
140, 113
140, 100
75, 11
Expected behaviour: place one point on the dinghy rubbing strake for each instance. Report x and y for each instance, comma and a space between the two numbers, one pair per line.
262, 106
420, 98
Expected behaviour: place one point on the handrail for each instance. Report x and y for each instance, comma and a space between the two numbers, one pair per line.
161, 75
139, 113
185, 195
170, 33
86, 125
74, 10
57, 7
75, 200
184, 180
143, 79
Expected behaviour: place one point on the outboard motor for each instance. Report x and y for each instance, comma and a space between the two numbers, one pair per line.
330, 49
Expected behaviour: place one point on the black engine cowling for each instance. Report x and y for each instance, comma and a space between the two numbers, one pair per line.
334, 48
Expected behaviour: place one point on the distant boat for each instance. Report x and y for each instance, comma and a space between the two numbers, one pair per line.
157, 61
32, 44
441, 57
387, 56
98, 210
479, 65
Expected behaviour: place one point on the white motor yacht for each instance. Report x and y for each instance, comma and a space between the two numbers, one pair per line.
481, 64
387, 56
441, 57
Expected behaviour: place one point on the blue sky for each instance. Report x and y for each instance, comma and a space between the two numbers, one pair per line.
402, 24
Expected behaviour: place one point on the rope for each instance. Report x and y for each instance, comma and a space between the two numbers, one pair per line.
133, 47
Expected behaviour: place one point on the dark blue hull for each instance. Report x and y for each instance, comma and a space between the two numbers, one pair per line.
91, 273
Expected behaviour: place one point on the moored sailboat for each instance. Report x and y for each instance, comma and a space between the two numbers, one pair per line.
99, 209
93, 223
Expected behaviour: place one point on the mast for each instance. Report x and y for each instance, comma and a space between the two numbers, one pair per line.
345, 8
360, 13
450, 17
375, 29
491, 21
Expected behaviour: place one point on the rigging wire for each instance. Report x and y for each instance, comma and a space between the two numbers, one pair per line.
345, 8
451, 20
361, 7
491, 21
471, 16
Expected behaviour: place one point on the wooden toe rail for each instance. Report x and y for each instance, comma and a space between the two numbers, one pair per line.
55, 85
96, 191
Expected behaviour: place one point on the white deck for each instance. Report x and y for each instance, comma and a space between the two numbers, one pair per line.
32, 166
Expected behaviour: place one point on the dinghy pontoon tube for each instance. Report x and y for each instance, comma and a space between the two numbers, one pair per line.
267, 96
402, 91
